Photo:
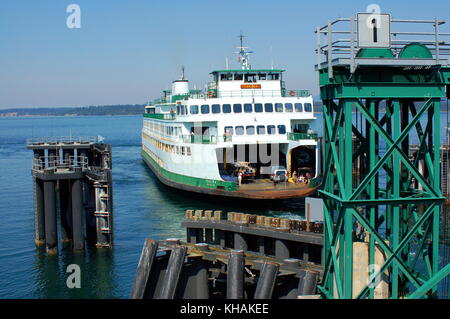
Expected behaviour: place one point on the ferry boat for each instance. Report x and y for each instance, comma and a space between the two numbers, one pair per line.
236, 138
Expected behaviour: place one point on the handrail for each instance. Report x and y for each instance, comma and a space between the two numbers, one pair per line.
62, 139
161, 116
301, 136
56, 163
206, 139
330, 41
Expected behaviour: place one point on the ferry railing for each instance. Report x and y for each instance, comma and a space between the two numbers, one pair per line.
206, 139
62, 139
301, 136
56, 163
160, 116
253, 93
296, 93
337, 43
250, 93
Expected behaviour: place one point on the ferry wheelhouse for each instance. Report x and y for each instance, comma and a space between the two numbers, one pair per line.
232, 138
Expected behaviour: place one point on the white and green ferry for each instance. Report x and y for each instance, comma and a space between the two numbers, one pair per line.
230, 138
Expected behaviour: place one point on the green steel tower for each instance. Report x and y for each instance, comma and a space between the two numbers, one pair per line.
381, 90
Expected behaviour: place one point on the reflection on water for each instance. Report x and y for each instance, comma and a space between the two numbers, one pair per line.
97, 274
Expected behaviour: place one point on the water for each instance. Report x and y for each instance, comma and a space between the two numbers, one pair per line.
142, 208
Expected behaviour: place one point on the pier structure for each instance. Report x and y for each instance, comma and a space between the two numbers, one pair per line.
72, 184
240, 256
385, 89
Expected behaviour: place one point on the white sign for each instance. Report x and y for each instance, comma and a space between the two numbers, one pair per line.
374, 30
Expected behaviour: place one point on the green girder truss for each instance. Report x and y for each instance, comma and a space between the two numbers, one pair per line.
371, 182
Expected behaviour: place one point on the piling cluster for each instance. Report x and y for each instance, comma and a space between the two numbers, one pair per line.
72, 182
172, 269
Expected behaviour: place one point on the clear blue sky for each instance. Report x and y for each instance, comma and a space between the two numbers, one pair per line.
128, 51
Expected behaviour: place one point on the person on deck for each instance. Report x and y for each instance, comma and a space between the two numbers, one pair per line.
294, 177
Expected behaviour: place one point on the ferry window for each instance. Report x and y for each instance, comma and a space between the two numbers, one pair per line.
226, 77
193, 109
271, 129
205, 109
281, 129
258, 107
178, 110
183, 150
188, 151
226, 108
239, 130
250, 130
262, 76
248, 108
215, 108
308, 107
261, 129
250, 78
298, 107
278, 107
273, 76
238, 76
228, 130
237, 108
268, 107
288, 107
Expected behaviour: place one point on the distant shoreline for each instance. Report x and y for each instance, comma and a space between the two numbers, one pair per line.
71, 115
109, 110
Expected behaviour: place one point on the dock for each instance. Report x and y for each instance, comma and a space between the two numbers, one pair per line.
240, 256
72, 182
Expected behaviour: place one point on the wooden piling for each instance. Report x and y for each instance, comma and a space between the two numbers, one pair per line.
307, 283
173, 272
143, 270
266, 281
235, 275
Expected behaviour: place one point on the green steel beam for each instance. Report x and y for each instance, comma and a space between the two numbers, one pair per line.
398, 201
431, 283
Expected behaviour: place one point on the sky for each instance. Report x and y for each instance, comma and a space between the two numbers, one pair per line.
127, 52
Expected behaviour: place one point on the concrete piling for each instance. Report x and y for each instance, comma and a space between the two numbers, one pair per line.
219, 237
173, 272
39, 217
51, 236
65, 205
266, 281
77, 216
235, 275
193, 235
240, 241
143, 270
281, 249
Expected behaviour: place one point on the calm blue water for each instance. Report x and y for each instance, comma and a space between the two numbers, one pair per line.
142, 208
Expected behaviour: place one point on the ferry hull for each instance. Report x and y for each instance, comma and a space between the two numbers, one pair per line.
274, 193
